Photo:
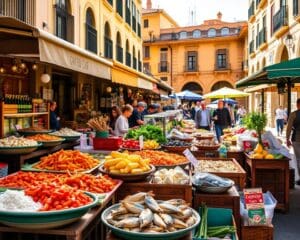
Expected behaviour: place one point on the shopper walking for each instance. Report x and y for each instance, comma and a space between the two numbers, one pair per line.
122, 126
280, 117
203, 118
293, 134
222, 119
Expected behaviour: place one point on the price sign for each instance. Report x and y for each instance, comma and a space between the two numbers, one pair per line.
187, 153
141, 142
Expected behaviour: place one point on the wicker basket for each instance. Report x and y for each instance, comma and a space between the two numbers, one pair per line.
257, 232
210, 148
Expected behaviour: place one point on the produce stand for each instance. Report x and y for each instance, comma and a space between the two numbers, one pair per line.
272, 175
238, 177
257, 232
161, 191
230, 199
16, 161
110, 236
87, 227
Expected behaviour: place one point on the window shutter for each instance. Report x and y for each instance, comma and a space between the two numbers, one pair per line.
227, 57
70, 28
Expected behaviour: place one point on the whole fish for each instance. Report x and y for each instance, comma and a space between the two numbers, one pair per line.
184, 214
119, 211
138, 197
176, 202
169, 208
152, 204
191, 221
133, 207
132, 222
158, 221
127, 215
110, 219
167, 218
146, 218
171, 229
179, 224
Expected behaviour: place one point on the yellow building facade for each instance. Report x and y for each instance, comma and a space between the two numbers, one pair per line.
274, 37
199, 58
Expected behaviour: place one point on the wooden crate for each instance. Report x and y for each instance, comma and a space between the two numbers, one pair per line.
161, 191
238, 177
230, 199
257, 232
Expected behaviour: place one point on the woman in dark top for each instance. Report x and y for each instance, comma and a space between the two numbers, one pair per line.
114, 114
54, 119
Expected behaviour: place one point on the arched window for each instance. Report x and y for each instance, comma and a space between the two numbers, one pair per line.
197, 34
64, 21
221, 84
119, 49
193, 87
128, 55
224, 31
134, 63
211, 32
108, 44
91, 32
139, 61
183, 35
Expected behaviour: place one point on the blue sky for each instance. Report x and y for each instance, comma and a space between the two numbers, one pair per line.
180, 10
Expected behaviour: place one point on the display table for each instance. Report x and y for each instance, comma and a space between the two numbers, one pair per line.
88, 227
110, 236
16, 161
257, 232
230, 199
272, 175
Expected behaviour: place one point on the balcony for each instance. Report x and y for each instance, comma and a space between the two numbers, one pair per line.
260, 4
280, 22
262, 39
222, 67
296, 10
119, 54
251, 16
163, 66
24, 10
128, 59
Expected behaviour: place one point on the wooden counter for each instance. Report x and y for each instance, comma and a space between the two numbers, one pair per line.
272, 175
88, 227
16, 161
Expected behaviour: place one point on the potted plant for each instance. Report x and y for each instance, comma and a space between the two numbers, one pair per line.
256, 121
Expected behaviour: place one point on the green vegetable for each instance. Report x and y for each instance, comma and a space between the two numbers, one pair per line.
256, 121
202, 231
149, 132
220, 231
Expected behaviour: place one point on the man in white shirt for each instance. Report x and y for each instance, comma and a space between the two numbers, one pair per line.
203, 118
280, 116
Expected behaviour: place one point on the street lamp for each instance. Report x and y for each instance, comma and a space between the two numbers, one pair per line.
289, 41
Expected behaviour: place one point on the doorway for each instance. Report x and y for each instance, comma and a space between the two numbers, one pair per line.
63, 95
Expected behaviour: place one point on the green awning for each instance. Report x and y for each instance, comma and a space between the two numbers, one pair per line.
273, 74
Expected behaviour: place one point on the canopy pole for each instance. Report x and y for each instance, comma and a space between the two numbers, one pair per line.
289, 95
263, 100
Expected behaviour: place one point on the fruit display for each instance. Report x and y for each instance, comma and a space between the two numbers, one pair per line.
67, 160
230, 137
80, 181
99, 123
13, 141
160, 158
125, 163
149, 132
260, 153
216, 166
53, 197
131, 144
66, 132
150, 145
142, 213
171, 176
44, 138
